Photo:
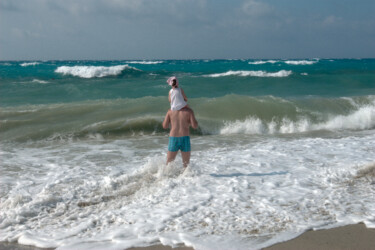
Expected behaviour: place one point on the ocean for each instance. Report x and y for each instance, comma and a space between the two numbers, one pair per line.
283, 146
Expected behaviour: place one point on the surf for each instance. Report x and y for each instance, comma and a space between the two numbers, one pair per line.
93, 71
231, 114
260, 73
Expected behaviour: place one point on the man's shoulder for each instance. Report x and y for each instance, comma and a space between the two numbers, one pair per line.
185, 109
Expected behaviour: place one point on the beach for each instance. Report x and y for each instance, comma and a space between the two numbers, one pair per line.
341, 238
283, 146
349, 237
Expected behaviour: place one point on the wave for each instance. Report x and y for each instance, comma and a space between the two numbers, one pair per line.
93, 71
290, 62
29, 64
111, 118
259, 73
300, 62
362, 119
231, 114
144, 62
39, 81
263, 62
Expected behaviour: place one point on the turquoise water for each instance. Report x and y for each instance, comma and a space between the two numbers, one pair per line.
329, 78
115, 98
283, 146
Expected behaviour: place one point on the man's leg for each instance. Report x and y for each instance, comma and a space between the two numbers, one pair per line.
171, 156
185, 158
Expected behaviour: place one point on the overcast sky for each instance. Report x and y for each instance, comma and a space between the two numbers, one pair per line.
186, 29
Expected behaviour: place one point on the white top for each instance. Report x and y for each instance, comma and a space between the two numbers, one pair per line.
177, 100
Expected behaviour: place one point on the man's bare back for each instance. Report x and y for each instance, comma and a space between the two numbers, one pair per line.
180, 121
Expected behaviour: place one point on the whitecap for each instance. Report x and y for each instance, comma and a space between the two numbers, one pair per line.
259, 73
263, 62
92, 71
144, 62
39, 81
300, 62
29, 64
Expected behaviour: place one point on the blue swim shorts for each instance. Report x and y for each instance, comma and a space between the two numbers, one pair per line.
179, 143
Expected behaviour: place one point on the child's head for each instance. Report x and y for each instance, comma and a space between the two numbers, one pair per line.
172, 81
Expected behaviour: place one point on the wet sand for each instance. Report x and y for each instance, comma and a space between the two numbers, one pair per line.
351, 237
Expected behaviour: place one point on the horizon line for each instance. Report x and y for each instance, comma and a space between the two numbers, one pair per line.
216, 59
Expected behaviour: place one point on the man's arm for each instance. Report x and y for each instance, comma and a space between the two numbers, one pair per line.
167, 120
193, 121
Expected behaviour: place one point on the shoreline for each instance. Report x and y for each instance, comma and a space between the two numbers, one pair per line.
350, 237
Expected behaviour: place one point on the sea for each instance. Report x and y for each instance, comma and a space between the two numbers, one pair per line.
283, 146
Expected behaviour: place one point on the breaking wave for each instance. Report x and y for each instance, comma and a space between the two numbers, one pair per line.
300, 62
231, 114
290, 62
263, 62
29, 64
93, 71
144, 62
361, 119
39, 81
259, 73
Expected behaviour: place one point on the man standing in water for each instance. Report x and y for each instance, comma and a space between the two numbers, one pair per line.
179, 136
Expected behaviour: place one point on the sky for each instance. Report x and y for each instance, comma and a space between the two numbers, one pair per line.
186, 29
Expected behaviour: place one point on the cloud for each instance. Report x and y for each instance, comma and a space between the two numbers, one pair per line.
7, 5
331, 20
256, 9
200, 28
23, 34
128, 9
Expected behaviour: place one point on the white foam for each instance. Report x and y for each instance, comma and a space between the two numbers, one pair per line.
291, 62
259, 73
39, 81
120, 194
300, 62
144, 62
29, 64
263, 62
361, 119
92, 71
364, 118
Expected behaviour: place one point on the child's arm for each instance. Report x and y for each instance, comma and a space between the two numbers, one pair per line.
183, 94
169, 97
